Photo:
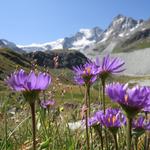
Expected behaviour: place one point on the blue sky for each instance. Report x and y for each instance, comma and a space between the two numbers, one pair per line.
39, 21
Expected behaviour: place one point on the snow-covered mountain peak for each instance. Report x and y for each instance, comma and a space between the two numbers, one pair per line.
125, 23
87, 32
58, 44
82, 39
120, 28
118, 19
90, 33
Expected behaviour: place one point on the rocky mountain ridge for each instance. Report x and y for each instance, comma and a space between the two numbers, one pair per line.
96, 40
7, 44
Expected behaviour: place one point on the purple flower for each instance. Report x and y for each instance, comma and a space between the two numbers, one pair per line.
47, 103
146, 109
113, 118
141, 124
86, 74
21, 81
92, 121
131, 100
109, 66
96, 119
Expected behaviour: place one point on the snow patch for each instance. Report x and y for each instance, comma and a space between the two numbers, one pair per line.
82, 43
86, 32
106, 35
6, 43
121, 34
118, 21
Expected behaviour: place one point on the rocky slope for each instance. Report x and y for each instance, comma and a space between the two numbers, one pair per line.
58, 58
10, 45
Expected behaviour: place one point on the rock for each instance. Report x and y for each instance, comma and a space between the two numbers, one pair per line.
58, 58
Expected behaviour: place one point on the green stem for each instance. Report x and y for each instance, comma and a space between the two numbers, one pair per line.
106, 138
104, 107
49, 121
129, 138
42, 121
86, 120
146, 141
5, 129
89, 112
89, 99
32, 106
103, 86
116, 143
58, 133
135, 142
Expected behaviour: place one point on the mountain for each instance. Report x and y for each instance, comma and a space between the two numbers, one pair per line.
122, 35
81, 40
10, 45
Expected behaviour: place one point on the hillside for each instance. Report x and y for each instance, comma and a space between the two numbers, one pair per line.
9, 60
58, 58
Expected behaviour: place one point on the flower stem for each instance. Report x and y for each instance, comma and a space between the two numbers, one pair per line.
5, 128
146, 141
116, 143
32, 106
86, 119
89, 113
135, 143
104, 107
89, 100
103, 88
129, 122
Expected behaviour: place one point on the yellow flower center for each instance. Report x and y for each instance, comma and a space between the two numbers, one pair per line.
126, 98
87, 70
114, 119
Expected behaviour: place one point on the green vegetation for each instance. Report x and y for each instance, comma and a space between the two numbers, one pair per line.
53, 131
9, 61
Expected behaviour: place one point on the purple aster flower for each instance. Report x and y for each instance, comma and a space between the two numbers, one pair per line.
109, 66
113, 118
86, 74
131, 100
92, 121
47, 103
21, 81
141, 124
96, 119
30, 84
